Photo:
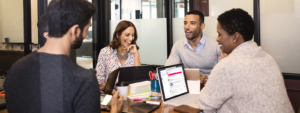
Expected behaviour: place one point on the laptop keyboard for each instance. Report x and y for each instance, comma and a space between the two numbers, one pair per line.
189, 99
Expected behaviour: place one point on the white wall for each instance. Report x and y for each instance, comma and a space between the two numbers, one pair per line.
34, 20
152, 39
11, 20
217, 7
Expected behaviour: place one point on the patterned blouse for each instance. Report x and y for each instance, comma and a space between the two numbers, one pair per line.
108, 62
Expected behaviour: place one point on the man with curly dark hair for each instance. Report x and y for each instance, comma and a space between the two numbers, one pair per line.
248, 80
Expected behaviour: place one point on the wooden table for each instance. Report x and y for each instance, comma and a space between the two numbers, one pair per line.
165, 109
3, 111
162, 109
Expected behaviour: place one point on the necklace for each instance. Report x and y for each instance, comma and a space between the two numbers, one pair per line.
122, 57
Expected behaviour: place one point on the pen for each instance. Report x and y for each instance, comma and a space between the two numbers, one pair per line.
139, 99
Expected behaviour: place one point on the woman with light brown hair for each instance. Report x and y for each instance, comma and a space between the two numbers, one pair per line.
122, 51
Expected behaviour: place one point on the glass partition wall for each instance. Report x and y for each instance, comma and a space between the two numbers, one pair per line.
151, 19
280, 24
214, 8
150, 22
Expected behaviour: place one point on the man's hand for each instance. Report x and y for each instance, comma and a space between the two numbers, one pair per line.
116, 103
203, 80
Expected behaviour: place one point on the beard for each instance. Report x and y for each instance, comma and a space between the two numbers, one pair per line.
77, 42
191, 38
194, 34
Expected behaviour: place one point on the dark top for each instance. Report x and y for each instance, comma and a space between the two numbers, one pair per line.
47, 83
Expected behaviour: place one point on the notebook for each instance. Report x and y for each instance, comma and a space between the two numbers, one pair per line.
174, 88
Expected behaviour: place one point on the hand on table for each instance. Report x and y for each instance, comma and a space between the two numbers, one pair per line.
102, 86
203, 80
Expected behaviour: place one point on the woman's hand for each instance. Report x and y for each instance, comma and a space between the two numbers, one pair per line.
132, 49
102, 86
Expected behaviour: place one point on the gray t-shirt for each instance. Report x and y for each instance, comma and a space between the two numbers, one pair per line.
47, 83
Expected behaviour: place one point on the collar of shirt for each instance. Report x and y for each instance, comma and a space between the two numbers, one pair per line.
199, 45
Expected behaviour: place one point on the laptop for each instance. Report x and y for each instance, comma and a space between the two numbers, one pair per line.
133, 74
111, 81
192, 73
130, 74
138, 107
174, 88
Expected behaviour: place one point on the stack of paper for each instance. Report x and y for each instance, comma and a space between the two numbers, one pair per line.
142, 95
194, 86
139, 90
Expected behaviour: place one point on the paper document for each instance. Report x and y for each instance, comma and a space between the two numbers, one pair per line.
194, 86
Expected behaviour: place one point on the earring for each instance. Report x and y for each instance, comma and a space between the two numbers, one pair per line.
234, 41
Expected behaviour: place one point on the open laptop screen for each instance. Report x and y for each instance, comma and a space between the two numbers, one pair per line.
172, 81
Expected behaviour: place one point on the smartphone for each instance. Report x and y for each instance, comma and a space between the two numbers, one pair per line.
105, 99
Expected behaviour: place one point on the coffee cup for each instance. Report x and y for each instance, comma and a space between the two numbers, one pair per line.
122, 87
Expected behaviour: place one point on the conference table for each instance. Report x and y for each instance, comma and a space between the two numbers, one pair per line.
164, 108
